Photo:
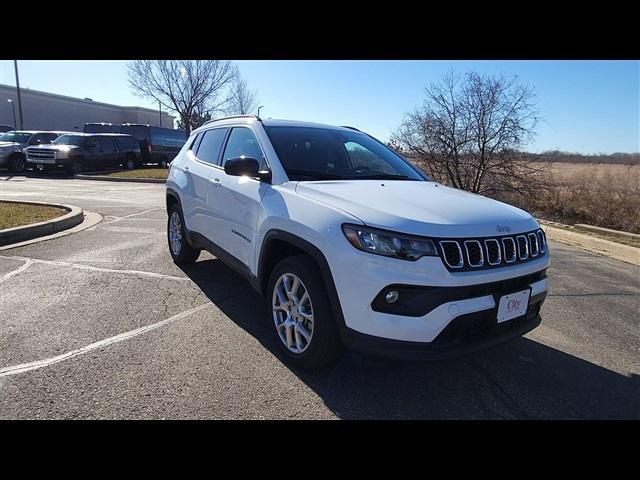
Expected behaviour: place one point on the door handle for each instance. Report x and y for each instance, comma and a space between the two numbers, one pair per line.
216, 182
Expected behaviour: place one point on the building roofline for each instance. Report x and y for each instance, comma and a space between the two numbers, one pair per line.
77, 99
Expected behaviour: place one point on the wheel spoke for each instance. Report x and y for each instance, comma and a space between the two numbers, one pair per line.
301, 330
304, 299
289, 334
294, 289
282, 296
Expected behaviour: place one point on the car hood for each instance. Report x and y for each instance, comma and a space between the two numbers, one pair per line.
420, 208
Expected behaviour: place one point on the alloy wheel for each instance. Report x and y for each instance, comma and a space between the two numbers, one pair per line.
292, 313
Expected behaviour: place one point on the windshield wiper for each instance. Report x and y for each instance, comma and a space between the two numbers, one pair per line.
315, 175
381, 176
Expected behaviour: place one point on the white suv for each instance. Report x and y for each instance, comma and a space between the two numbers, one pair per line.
352, 245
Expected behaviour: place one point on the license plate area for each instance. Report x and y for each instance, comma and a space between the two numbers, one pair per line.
513, 305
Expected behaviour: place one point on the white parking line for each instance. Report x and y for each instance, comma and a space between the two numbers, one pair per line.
18, 270
132, 215
26, 367
96, 269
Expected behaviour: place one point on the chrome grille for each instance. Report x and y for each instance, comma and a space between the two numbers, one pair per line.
482, 253
40, 153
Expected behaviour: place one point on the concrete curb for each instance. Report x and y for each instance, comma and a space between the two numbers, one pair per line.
619, 251
608, 231
106, 178
74, 217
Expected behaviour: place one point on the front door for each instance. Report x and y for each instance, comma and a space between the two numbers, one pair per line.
240, 199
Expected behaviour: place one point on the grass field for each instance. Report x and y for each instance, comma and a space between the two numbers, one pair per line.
18, 214
156, 173
605, 195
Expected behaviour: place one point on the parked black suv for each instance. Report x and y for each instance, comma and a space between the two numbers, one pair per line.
157, 144
77, 152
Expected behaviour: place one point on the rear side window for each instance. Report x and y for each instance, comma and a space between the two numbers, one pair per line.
125, 142
139, 132
241, 142
106, 143
210, 145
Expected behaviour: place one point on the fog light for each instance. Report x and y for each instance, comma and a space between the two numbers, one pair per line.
392, 296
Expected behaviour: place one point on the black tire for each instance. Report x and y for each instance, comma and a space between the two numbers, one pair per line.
325, 346
77, 166
130, 163
17, 163
163, 163
186, 254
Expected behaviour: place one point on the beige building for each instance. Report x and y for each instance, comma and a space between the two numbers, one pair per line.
49, 111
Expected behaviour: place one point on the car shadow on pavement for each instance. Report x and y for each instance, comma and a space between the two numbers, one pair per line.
521, 379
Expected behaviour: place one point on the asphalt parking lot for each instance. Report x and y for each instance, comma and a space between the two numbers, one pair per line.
101, 324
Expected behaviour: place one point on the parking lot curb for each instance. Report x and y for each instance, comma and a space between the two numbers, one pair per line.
106, 178
72, 218
608, 248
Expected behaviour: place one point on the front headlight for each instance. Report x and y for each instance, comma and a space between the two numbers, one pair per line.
389, 244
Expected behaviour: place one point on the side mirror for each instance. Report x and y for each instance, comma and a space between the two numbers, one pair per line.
242, 166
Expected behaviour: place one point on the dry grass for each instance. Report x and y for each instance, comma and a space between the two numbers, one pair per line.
18, 214
605, 195
154, 173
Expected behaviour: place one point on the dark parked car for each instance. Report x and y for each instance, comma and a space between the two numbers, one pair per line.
77, 152
13, 144
6, 128
157, 144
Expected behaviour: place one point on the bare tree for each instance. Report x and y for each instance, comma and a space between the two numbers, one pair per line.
242, 100
187, 87
469, 133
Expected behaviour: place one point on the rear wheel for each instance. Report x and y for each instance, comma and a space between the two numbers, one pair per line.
17, 163
164, 163
181, 252
300, 310
131, 163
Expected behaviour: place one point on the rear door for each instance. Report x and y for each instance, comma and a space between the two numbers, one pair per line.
108, 152
199, 206
239, 199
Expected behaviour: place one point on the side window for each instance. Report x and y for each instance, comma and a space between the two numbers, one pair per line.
210, 145
36, 139
106, 143
242, 141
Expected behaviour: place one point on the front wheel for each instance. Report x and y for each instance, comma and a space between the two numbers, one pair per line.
301, 314
181, 252
17, 163
76, 167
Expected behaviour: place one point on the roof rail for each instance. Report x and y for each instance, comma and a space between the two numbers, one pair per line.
232, 116
351, 128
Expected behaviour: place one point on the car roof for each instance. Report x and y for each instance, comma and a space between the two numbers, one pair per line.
269, 122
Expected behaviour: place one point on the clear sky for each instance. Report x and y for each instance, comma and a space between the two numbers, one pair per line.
587, 106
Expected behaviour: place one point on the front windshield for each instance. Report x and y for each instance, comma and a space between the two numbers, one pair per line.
17, 137
309, 153
70, 140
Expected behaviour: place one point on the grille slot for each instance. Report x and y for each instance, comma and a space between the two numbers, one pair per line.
533, 244
510, 254
494, 257
475, 256
541, 241
523, 247
452, 253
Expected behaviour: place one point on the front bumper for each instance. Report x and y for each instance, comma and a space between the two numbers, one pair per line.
444, 296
